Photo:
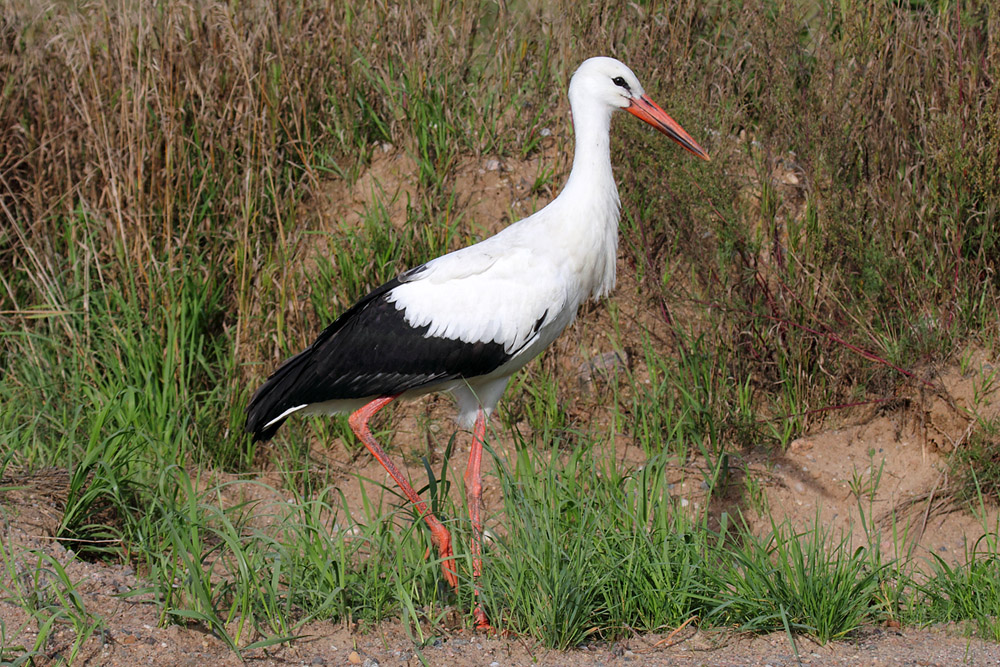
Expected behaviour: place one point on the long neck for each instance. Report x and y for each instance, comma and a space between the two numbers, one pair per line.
588, 205
591, 174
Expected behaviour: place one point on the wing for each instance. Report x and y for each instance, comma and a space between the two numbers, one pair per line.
462, 315
487, 293
370, 350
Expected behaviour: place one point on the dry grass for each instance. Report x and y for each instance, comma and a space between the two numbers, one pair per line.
141, 141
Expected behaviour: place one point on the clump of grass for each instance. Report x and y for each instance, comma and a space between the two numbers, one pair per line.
591, 552
101, 489
40, 585
803, 582
968, 592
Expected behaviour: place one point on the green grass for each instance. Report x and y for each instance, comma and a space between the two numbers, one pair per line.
42, 588
808, 583
588, 550
161, 250
967, 593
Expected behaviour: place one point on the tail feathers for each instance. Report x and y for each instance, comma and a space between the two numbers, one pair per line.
270, 405
261, 434
289, 386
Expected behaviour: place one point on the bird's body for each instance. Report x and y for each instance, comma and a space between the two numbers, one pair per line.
467, 321
464, 322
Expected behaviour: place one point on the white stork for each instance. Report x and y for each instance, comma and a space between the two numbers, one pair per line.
467, 321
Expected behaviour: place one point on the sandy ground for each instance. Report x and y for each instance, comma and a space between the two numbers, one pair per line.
133, 637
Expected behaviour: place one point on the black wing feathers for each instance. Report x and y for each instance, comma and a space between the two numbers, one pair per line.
370, 350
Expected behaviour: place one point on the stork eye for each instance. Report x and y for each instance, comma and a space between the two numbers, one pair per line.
618, 81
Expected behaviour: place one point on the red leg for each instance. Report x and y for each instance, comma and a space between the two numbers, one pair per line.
440, 536
474, 498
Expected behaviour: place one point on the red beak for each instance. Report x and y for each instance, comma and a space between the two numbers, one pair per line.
649, 111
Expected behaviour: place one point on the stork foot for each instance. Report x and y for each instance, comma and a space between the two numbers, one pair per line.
441, 539
482, 622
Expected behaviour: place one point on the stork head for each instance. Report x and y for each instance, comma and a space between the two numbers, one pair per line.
610, 82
